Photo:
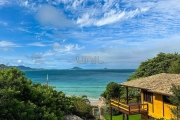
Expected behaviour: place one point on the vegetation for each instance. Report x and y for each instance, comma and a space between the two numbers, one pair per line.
81, 108
21, 99
175, 100
162, 63
119, 117
113, 90
175, 67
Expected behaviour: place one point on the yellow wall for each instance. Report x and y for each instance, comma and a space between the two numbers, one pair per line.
150, 105
158, 105
155, 109
167, 111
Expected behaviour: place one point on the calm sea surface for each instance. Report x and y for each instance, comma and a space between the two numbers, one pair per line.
80, 82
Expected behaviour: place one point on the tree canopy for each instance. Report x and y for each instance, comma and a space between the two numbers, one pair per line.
113, 90
21, 99
175, 100
162, 63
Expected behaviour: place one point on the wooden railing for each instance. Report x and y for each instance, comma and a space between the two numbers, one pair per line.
131, 108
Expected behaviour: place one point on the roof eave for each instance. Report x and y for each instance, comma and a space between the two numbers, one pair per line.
149, 90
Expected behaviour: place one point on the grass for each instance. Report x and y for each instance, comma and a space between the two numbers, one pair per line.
119, 117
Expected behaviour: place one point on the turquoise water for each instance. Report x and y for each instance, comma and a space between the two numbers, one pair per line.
80, 82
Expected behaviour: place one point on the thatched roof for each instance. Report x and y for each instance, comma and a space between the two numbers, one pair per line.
160, 83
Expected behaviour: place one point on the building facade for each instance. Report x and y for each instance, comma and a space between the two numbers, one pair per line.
154, 92
158, 105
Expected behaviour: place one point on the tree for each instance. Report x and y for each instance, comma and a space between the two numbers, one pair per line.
81, 107
175, 67
21, 99
113, 90
162, 63
175, 99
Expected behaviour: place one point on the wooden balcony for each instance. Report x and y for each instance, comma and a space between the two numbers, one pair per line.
129, 109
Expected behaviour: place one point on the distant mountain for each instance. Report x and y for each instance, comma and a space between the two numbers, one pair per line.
20, 67
24, 68
3, 66
76, 68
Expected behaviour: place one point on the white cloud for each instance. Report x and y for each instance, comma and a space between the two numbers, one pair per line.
56, 46
31, 5
20, 61
3, 2
3, 23
24, 3
37, 58
119, 53
109, 17
49, 53
131, 30
65, 48
24, 29
38, 44
62, 49
7, 44
57, 2
76, 3
49, 15
108, 4
85, 20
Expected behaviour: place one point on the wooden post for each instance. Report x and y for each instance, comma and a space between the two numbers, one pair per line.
122, 116
127, 117
119, 97
177, 115
47, 80
147, 109
110, 113
139, 108
127, 95
118, 100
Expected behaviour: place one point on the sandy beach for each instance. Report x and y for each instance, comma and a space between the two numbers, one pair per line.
94, 102
97, 102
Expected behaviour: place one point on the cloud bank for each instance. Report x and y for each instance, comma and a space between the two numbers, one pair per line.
49, 15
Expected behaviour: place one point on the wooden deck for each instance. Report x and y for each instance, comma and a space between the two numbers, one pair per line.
129, 109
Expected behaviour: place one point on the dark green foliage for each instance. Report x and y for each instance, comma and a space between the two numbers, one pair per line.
113, 90
175, 99
20, 99
175, 67
81, 108
162, 63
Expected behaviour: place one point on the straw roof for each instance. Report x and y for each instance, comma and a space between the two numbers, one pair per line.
160, 83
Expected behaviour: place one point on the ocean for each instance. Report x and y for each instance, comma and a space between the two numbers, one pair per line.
80, 82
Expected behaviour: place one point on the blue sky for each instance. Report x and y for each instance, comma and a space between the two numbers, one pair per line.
53, 33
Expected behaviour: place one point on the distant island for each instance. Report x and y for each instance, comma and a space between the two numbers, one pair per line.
76, 68
20, 67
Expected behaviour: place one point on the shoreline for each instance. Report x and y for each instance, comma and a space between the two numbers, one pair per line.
94, 102
97, 102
